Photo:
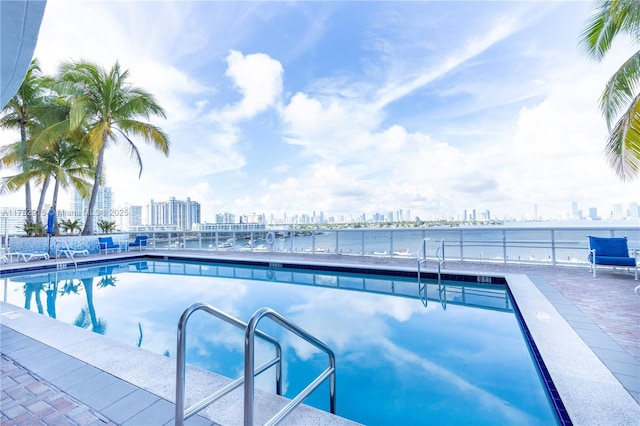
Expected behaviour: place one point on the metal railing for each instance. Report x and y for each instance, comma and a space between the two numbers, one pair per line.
183, 413
422, 258
250, 371
63, 247
496, 244
329, 373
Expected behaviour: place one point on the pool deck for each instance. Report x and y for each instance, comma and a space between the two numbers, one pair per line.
587, 330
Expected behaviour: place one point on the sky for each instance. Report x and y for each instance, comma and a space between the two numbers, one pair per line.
351, 108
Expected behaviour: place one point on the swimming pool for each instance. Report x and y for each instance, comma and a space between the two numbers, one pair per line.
456, 357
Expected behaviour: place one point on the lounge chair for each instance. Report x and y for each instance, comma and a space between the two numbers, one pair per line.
612, 252
27, 256
106, 244
69, 252
141, 241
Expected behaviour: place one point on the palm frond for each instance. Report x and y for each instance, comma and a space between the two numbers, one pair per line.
621, 89
623, 145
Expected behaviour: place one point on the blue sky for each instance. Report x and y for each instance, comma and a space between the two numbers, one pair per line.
355, 107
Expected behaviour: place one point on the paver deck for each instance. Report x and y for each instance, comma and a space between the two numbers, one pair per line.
604, 311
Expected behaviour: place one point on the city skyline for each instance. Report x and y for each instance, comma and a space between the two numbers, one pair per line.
417, 109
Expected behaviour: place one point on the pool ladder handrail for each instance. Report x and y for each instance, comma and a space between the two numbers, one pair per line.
249, 371
422, 258
69, 253
249, 360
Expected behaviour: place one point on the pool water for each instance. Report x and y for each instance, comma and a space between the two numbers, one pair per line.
456, 356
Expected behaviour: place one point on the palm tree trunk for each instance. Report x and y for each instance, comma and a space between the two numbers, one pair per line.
88, 224
43, 193
54, 202
27, 186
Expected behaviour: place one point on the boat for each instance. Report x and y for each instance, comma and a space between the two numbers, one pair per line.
402, 252
227, 244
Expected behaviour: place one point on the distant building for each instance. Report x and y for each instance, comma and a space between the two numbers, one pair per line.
225, 218
127, 217
12, 221
179, 213
229, 227
252, 218
617, 212
633, 212
593, 213
102, 211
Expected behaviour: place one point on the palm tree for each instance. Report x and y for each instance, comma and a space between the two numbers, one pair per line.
110, 108
620, 101
68, 225
18, 114
69, 164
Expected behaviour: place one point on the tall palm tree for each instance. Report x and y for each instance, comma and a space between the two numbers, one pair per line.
66, 162
620, 101
18, 114
110, 108
53, 152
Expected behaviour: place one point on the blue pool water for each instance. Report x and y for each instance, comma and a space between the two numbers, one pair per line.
457, 356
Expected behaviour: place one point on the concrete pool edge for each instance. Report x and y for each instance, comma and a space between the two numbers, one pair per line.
590, 392
152, 372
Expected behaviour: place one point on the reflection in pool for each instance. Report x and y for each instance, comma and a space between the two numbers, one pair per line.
456, 356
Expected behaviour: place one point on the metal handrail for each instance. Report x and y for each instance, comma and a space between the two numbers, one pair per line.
69, 252
181, 413
422, 257
249, 351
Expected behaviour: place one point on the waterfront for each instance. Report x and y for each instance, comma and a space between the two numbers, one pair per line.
519, 242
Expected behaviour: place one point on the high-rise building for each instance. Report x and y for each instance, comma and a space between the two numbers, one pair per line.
182, 214
633, 212
593, 213
127, 217
102, 210
618, 211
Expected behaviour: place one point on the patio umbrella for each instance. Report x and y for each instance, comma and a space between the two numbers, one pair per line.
51, 226
51, 222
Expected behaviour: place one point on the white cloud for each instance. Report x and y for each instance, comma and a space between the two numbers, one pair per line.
258, 78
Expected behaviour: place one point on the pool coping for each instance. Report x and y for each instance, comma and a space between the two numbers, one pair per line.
589, 391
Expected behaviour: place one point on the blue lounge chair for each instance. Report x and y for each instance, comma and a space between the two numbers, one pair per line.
611, 252
106, 244
141, 241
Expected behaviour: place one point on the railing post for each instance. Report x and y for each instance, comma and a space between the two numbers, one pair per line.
362, 249
337, 244
504, 245
391, 244
461, 247
553, 247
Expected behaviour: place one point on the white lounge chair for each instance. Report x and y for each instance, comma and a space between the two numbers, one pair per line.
26, 256
71, 252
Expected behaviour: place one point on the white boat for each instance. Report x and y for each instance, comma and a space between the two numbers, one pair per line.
226, 244
402, 252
